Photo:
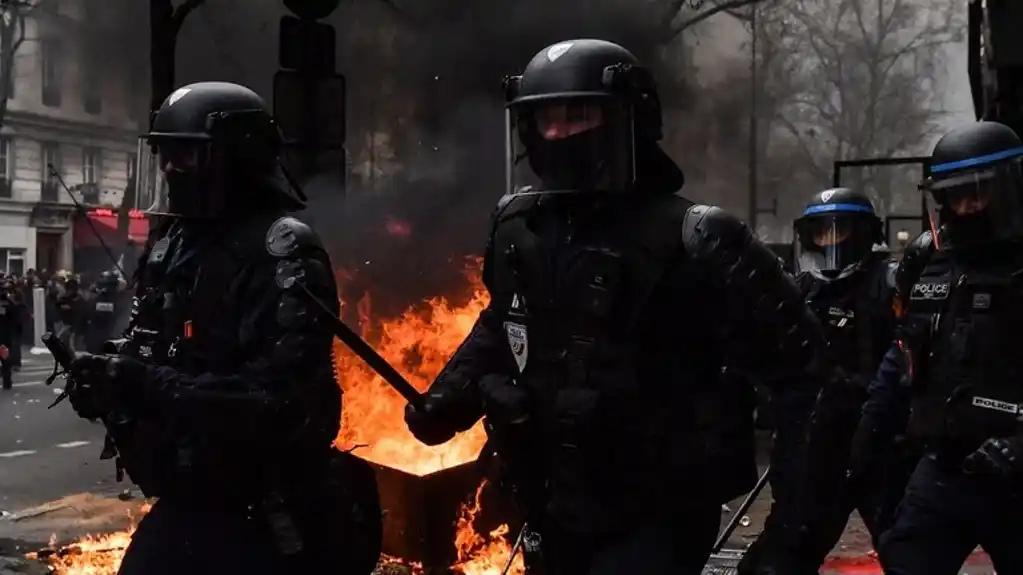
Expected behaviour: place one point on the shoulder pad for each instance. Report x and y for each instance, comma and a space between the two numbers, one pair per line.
703, 221
511, 205
503, 203
891, 267
288, 235
923, 242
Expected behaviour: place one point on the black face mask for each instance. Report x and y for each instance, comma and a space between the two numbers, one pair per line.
570, 163
181, 189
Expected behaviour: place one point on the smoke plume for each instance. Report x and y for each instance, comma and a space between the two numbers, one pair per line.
425, 147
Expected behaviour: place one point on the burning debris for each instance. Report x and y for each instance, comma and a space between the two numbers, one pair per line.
418, 343
90, 555
434, 496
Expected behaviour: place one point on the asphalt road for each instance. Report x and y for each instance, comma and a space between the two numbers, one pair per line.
45, 453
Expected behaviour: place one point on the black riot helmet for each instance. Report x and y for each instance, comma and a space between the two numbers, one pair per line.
575, 116
213, 149
975, 185
836, 233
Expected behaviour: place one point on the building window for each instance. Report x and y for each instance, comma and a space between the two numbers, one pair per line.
91, 99
92, 172
12, 261
90, 166
6, 166
50, 190
51, 73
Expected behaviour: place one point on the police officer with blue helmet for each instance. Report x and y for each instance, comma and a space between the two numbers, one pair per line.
849, 286
836, 234
959, 341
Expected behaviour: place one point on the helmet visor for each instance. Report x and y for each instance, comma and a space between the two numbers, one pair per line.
978, 207
570, 145
831, 246
170, 171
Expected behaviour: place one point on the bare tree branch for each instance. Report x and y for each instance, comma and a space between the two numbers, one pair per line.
729, 5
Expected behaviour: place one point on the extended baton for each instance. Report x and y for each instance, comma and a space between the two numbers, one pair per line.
743, 508
362, 349
515, 548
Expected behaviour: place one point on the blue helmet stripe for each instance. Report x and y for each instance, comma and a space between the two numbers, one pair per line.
829, 208
978, 161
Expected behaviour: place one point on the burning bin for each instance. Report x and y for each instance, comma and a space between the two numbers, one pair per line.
421, 512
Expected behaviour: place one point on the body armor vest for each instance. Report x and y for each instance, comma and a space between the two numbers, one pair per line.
962, 335
102, 319
621, 411
181, 317
856, 314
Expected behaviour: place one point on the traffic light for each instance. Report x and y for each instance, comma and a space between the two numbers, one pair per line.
312, 9
307, 46
311, 111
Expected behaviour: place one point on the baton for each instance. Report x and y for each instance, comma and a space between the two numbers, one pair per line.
515, 548
365, 352
743, 508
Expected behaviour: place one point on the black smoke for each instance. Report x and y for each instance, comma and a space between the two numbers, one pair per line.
426, 75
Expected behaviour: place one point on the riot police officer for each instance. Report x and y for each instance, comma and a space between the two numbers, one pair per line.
849, 285
598, 363
221, 401
103, 311
959, 347
71, 313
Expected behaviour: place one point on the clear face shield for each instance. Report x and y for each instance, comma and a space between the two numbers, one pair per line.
172, 173
832, 246
570, 145
979, 207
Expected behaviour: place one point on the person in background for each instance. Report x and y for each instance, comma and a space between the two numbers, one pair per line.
8, 330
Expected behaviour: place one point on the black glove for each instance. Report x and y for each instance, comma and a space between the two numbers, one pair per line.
503, 402
109, 380
428, 424
997, 456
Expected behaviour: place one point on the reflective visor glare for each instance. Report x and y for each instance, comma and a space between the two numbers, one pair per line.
150, 187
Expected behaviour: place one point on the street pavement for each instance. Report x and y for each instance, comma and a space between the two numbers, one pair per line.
46, 454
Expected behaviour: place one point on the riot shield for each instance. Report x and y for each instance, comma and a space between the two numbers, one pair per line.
892, 184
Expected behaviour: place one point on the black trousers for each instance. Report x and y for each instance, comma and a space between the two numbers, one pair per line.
677, 545
945, 514
174, 539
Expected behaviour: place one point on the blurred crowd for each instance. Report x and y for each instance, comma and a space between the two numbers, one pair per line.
83, 317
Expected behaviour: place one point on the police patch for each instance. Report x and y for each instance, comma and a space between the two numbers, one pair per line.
1003, 406
518, 341
929, 291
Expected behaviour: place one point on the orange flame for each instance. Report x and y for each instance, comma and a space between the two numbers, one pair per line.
479, 555
418, 344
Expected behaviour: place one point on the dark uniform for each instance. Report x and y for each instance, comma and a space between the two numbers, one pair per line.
849, 285
103, 312
960, 347
222, 400
10, 319
71, 314
598, 363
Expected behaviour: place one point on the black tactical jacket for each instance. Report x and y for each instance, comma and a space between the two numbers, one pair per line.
618, 316
240, 379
